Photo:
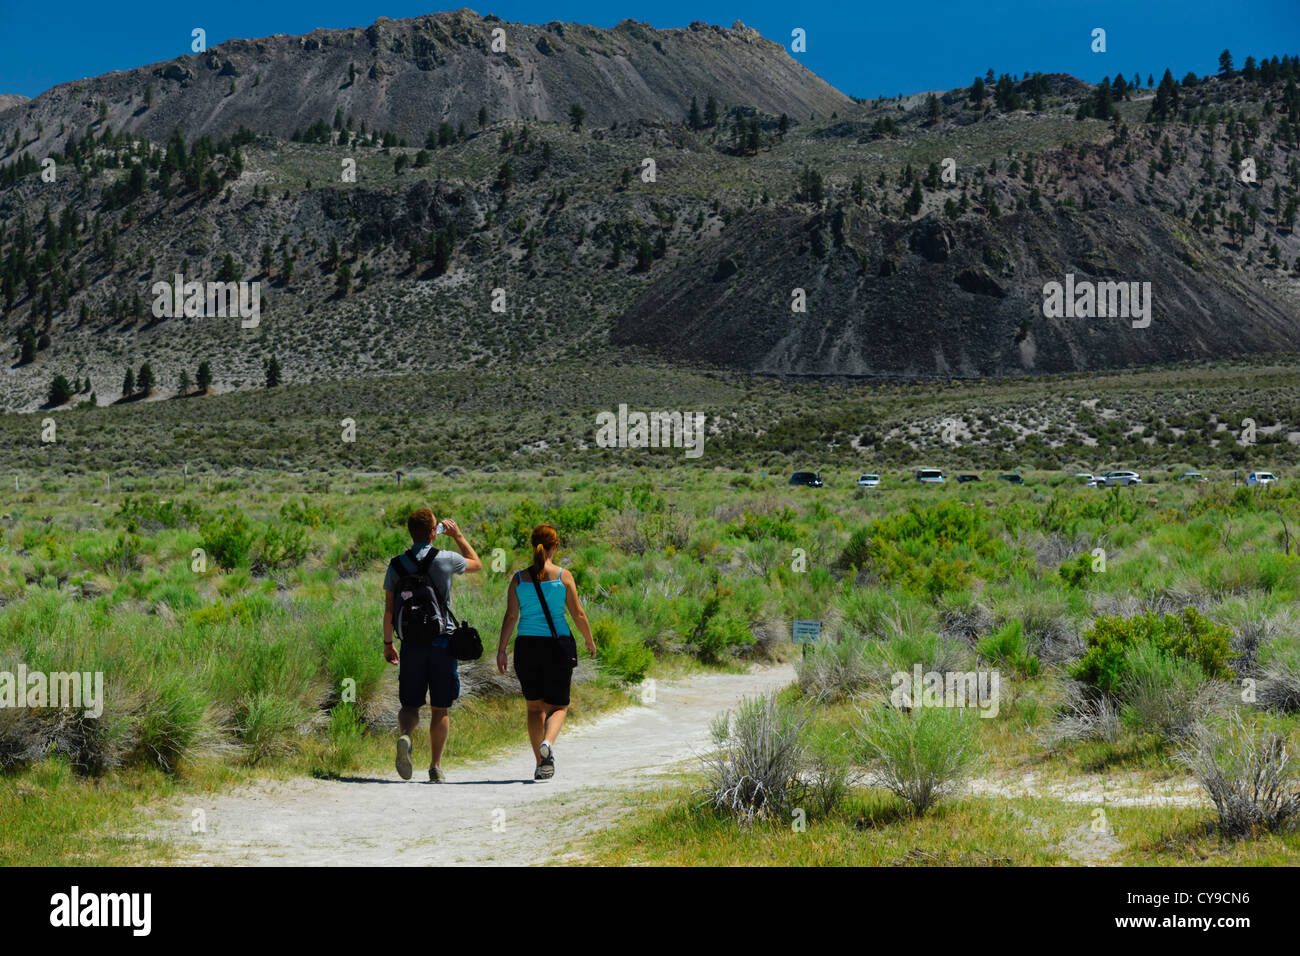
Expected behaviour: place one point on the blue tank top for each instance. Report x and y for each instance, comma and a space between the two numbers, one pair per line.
532, 620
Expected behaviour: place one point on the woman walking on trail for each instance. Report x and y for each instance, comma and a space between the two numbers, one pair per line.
545, 650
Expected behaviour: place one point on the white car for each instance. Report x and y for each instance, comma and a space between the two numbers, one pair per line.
1192, 476
1261, 478
1086, 478
1113, 479
868, 481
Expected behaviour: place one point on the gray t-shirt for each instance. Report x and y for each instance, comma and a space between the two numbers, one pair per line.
446, 564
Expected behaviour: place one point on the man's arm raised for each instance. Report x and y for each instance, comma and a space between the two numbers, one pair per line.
472, 562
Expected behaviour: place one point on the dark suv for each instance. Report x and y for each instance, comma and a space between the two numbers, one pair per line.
812, 479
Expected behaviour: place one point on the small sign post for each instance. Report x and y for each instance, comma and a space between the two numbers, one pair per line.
805, 633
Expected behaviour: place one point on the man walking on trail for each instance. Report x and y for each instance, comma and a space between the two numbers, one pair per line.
427, 665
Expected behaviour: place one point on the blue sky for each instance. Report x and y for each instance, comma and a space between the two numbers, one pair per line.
864, 48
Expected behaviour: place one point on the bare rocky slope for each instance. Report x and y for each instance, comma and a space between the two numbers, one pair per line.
400, 75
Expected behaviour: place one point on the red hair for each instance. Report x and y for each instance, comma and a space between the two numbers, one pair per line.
544, 539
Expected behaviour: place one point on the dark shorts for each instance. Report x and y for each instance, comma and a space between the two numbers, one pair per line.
427, 669
545, 666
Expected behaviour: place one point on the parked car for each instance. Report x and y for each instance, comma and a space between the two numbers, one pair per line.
1192, 476
1261, 478
868, 481
1014, 479
929, 476
1087, 477
812, 479
962, 479
1114, 479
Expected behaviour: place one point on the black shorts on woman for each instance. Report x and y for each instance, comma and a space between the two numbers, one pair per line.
544, 663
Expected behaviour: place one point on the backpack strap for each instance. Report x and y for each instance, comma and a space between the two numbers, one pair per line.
417, 567
541, 599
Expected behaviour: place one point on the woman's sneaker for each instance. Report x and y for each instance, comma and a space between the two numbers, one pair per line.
545, 769
404, 757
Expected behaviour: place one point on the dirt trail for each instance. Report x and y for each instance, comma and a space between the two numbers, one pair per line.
489, 812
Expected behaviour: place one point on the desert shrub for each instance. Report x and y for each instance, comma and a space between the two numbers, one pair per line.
148, 513
928, 549
123, 555
169, 721
266, 723
902, 652
306, 513
1076, 571
341, 750
920, 756
1162, 693
1250, 776
622, 655
371, 544
1007, 647
636, 532
228, 539
773, 526
1189, 635
348, 649
963, 617
714, 628
763, 766
1278, 686
835, 670
281, 545
857, 552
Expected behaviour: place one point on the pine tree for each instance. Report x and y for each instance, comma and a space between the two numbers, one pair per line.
710, 112
204, 377
60, 391
184, 383
914, 200
145, 381
576, 116
272, 372
128, 384
693, 119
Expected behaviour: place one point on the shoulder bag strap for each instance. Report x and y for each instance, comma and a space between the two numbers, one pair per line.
541, 599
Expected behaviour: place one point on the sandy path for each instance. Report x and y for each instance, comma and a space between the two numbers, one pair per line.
490, 812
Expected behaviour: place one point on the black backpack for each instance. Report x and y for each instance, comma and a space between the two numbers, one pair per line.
419, 615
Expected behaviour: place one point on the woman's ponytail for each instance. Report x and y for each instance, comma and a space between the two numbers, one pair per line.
543, 540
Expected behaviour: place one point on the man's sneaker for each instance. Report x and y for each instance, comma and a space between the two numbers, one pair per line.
545, 750
546, 769
404, 757
436, 775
